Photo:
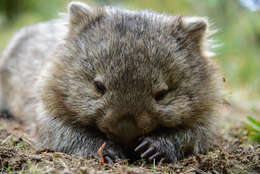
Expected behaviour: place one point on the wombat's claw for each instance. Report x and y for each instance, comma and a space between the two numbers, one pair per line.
148, 151
154, 156
110, 156
141, 146
107, 159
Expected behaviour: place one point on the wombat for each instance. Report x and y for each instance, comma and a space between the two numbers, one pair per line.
139, 81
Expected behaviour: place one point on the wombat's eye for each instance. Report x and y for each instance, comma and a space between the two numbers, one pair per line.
160, 95
100, 87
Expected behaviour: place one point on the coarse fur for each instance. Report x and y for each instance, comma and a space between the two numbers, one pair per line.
159, 86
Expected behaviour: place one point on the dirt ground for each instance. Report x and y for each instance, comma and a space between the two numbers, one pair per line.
233, 152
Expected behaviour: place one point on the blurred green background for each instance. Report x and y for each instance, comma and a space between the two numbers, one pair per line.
239, 32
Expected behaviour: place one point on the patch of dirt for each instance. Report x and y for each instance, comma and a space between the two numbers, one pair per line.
232, 153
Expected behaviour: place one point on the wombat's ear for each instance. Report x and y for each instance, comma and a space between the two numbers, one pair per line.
195, 27
81, 14
78, 12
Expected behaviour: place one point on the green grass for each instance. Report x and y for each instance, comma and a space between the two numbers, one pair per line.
9, 169
21, 144
154, 167
254, 128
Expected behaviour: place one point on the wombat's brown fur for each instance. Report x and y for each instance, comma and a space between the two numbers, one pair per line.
140, 81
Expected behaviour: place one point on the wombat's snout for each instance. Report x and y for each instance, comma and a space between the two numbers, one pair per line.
126, 129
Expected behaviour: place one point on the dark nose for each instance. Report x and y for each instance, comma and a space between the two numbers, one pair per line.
128, 116
127, 128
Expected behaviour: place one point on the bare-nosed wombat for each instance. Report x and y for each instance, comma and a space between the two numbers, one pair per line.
140, 81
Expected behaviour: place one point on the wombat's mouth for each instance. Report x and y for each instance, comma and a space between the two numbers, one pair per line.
121, 139
124, 132
126, 129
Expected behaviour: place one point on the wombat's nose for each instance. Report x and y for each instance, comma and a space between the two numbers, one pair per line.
129, 117
127, 129
126, 124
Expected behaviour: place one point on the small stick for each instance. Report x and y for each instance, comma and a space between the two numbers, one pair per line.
100, 153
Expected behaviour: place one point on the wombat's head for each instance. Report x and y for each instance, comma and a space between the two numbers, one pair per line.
129, 72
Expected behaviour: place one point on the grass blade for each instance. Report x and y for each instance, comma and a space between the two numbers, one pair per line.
254, 136
252, 120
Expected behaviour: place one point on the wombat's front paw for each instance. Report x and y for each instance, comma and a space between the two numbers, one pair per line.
112, 153
156, 148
